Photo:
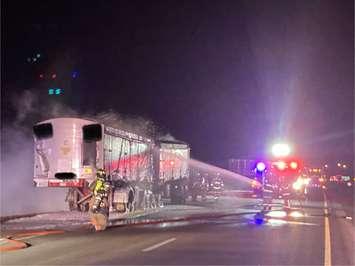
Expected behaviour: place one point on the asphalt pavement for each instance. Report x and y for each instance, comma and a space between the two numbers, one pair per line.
308, 233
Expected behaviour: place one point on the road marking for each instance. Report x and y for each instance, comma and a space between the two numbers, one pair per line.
301, 223
327, 243
16, 240
25, 237
159, 245
3, 240
16, 245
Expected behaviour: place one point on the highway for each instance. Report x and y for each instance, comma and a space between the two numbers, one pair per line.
315, 232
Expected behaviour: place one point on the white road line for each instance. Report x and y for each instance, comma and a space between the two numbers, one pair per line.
25, 237
159, 245
302, 223
3, 241
327, 243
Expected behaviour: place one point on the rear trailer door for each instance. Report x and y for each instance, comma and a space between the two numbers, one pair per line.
91, 135
43, 134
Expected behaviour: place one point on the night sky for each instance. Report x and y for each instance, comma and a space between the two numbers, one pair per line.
228, 77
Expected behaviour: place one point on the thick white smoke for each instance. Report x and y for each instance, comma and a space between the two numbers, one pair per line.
18, 195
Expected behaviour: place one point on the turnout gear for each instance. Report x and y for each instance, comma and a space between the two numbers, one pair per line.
101, 184
100, 204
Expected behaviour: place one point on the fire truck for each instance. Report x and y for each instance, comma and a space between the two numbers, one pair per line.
282, 176
142, 171
278, 178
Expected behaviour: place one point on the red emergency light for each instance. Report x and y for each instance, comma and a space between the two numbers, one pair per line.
287, 166
293, 165
280, 165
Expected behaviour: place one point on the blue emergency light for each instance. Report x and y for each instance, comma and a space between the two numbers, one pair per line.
260, 166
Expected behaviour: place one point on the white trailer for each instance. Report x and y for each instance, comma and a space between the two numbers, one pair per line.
69, 150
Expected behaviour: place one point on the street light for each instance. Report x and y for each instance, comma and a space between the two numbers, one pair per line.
280, 150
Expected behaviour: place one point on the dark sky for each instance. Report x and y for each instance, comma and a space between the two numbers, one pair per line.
228, 77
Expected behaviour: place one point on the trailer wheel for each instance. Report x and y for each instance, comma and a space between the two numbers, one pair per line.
72, 205
130, 207
84, 207
72, 198
130, 203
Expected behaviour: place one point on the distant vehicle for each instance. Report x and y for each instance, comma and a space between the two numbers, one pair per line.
283, 173
67, 152
301, 186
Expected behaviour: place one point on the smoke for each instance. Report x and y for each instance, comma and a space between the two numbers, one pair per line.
18, 195
167, 137
24, 106
136, 124
30, 108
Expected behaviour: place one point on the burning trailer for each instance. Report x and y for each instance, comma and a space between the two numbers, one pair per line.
142, 171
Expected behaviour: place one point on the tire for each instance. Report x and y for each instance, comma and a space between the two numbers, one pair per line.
73, 199
130, 207
130, 203
84, 207
121, 207
72, 206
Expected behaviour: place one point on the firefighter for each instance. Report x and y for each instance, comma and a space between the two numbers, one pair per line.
99, 204
100, 188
